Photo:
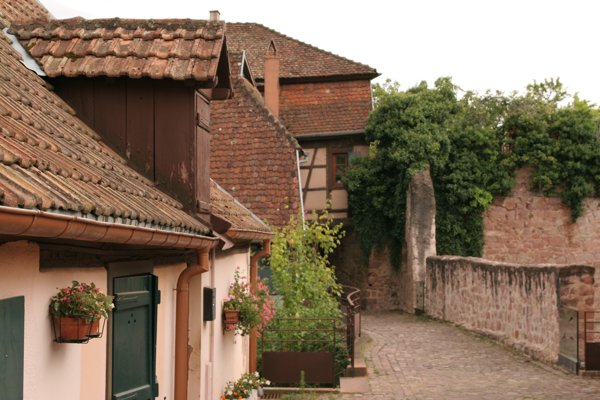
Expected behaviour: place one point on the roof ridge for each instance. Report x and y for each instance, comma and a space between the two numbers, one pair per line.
305, 44
275, 121
111, 28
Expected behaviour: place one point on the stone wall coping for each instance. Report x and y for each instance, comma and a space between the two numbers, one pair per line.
483, 263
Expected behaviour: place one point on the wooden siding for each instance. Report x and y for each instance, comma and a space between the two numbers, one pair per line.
152, 124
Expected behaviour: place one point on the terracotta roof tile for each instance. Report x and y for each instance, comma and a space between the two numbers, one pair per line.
253, 156
242, 220
341, 107
22, 10
51, 161
177, 49
298, 59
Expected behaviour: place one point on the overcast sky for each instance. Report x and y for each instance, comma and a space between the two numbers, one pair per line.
481, 44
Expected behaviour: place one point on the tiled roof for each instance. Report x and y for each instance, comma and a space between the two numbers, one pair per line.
253, 156
242, 220
51, 161
342, 107
298, 59
176, 49
21, 10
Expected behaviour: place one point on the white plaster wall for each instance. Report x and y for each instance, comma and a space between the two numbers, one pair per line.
165, 336
51, 370
223, 356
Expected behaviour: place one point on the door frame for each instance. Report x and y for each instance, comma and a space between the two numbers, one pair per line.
119, 270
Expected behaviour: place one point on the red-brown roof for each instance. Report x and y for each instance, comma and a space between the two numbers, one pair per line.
253, 156
244, 223
22, 10
178, 49
298, 59
325, 108
51, 161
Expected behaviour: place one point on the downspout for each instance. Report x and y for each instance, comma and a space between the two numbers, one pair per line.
182, 321
266, 250
300, 184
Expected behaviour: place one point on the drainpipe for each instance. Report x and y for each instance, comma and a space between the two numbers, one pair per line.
298, 162
266, 250
182, 321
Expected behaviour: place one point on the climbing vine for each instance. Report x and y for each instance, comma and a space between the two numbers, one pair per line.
473, 146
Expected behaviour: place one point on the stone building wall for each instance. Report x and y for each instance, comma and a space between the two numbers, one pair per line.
517, 304
530, 228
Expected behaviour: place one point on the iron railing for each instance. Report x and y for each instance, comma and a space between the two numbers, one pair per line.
300, 350
350, 301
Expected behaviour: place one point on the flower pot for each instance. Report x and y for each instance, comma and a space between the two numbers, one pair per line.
232, 317
95, 329
72, 329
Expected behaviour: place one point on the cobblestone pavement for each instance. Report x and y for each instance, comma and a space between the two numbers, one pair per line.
416, 358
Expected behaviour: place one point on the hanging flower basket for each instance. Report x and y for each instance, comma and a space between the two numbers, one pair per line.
232, 316
71, 330
79, 313
244, 311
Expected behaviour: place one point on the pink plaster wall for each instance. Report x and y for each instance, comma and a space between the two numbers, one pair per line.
51, 370
216, 356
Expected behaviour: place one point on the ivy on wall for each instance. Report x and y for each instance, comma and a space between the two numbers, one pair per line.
473, 145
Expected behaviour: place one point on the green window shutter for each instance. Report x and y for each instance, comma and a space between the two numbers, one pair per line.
12, 338
134, 338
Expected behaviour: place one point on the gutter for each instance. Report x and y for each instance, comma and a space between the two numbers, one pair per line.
182, 322
266, 250
37, 223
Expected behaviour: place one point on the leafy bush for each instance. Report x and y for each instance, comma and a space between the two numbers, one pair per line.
473, 146
308, 310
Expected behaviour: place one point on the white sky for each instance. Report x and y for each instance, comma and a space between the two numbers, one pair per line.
482, 44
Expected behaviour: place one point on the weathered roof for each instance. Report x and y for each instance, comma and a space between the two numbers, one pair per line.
299, 60
178, 49
22, 10
253, 156
342, 108
51, 161
244, 223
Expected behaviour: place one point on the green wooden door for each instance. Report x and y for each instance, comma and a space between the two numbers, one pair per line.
12, 327
134, 338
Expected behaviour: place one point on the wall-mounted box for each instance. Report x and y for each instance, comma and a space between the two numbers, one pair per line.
210, 303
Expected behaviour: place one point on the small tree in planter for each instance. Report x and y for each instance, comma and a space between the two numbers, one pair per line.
245, 311
77, 310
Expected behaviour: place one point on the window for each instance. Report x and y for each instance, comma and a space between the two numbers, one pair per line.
339, 164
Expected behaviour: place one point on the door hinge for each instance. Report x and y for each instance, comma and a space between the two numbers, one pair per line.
155, 388
157, 297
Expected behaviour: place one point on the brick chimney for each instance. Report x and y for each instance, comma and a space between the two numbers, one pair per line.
272, 79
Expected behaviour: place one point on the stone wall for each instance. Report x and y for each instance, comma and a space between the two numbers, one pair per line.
527, 227
517, 304
380, 284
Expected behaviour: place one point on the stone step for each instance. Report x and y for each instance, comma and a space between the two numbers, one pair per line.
359, 384
359, 369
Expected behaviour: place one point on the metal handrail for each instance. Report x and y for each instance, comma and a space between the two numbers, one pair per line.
350, 299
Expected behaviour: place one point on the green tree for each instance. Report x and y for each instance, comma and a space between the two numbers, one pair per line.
300, 269
473, 145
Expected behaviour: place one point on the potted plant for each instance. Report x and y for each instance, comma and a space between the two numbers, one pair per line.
77, 310
247, 387
244, 311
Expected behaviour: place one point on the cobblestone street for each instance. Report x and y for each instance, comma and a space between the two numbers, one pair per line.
416, 358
